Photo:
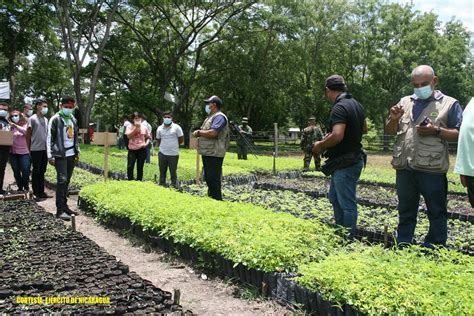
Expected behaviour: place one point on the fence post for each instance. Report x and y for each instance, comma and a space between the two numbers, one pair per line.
275, 150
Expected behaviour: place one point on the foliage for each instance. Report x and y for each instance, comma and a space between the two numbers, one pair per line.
267, 61
404, 282
460, 233
373, 280
240, 232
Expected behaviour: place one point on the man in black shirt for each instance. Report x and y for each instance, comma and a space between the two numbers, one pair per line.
344, 151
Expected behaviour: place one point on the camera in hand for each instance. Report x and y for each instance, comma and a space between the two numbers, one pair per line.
425, 121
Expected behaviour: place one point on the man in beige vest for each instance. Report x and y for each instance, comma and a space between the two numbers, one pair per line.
213, 142
424, 123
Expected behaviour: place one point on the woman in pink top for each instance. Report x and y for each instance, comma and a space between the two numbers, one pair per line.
19, 153
138, 139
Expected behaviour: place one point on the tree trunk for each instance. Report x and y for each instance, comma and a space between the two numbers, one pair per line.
11, 74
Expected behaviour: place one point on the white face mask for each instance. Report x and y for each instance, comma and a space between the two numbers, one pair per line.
44, 111
29, 112
15, 118
3, 113
423, 92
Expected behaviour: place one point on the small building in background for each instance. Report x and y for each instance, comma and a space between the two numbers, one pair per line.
293, 133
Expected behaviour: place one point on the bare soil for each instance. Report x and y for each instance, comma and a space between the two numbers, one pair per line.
201, 294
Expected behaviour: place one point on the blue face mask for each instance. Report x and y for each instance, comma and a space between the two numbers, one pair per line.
44, 111
207, 109
67, 112
424, 92
167, 120
3, 113
15, 118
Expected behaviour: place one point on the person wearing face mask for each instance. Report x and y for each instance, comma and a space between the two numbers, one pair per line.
213, 142
19, 153
4, 149
27, 110
138, 139
343, 148
169, 136
63, 151
424, 122
36, 137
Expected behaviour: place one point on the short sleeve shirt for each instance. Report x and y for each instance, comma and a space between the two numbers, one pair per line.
138, 140
350, 112
39, 132
169, 139
218, 123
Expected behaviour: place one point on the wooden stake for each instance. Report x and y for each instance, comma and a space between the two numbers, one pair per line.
275, 149
176, 296
264, 289
106, 156
73, 222
198, 168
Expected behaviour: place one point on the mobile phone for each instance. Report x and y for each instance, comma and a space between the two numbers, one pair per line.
425, 121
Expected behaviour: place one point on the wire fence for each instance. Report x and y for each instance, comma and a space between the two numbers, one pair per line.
290, 142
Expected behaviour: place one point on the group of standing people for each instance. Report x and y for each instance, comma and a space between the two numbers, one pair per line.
423, 122
137, 138
28, 148
37, 141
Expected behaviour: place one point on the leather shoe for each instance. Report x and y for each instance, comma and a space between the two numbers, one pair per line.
44, 196
39, 199
63, 216
70, 212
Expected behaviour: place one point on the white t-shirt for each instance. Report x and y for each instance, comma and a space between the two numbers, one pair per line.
169, 144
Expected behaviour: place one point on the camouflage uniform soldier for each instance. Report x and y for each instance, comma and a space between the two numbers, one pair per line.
311, 134
245, 131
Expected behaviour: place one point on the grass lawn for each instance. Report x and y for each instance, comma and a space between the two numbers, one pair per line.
187, 162
378, 167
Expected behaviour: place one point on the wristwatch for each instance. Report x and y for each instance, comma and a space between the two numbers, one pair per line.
438, 131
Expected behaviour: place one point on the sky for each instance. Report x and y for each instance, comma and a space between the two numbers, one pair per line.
463, 10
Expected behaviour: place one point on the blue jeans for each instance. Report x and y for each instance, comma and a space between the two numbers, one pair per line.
434, 188
21, 170
342, 195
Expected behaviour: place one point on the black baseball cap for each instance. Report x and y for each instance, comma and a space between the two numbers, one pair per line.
335, 80
214, 99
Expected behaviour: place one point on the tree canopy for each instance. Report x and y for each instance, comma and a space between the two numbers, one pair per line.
267, 61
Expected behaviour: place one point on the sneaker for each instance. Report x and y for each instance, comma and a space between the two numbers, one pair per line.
44, 196
64, 216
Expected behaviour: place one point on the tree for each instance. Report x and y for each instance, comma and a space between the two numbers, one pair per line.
85, 29
22, 26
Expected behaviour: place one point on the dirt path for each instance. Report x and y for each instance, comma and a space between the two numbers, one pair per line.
204, 297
